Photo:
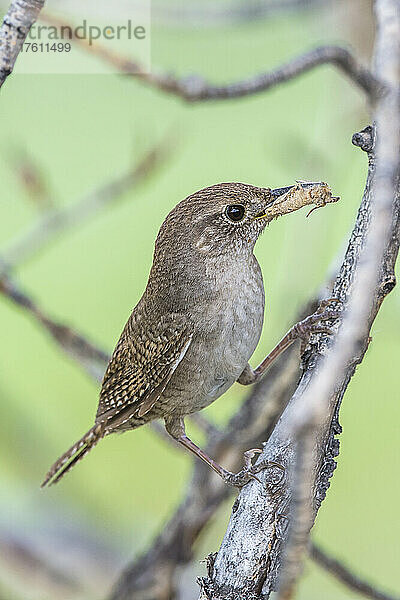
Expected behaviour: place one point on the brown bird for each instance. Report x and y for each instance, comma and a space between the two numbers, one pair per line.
199, 320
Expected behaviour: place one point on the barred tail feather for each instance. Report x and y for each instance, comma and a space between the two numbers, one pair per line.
74, 454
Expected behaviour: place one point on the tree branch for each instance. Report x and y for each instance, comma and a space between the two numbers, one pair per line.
194, 88
32, 180
345, 576
20, 17
89, 356
363, 295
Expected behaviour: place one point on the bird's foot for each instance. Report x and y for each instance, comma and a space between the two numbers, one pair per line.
315, 323
249, 470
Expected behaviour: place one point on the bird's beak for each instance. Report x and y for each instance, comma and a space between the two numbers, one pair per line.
278, 194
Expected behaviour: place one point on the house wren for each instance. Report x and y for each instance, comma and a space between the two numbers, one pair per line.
199, 320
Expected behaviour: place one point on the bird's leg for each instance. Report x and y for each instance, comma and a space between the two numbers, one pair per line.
176, 428
302, 330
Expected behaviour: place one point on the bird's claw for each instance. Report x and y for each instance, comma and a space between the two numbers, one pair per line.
315, 322
249, 470
323, 305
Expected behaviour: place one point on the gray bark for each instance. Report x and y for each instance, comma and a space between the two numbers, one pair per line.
20, 17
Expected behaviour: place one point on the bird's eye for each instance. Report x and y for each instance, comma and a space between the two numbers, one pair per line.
235, 212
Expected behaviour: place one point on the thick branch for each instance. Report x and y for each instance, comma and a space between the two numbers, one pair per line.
363, 297
20, 17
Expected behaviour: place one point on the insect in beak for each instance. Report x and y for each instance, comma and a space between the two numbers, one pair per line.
278, 194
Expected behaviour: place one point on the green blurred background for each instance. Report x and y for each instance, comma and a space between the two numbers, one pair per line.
83, 131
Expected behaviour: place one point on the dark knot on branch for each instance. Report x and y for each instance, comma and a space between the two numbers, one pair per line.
365, 139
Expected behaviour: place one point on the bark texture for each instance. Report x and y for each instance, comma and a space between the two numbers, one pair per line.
20, 17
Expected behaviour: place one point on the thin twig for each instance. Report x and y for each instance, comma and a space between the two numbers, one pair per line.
32, 180
26, 568
20, 17
346, 576
194, 88
50, 224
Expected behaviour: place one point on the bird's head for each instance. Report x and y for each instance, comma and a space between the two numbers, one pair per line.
222, 217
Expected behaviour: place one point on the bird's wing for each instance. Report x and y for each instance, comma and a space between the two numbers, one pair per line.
141, 366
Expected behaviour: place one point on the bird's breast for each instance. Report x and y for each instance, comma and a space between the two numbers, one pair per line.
227, 323
235, 317
227, 332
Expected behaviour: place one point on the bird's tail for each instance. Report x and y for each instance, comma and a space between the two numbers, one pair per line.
74, 454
